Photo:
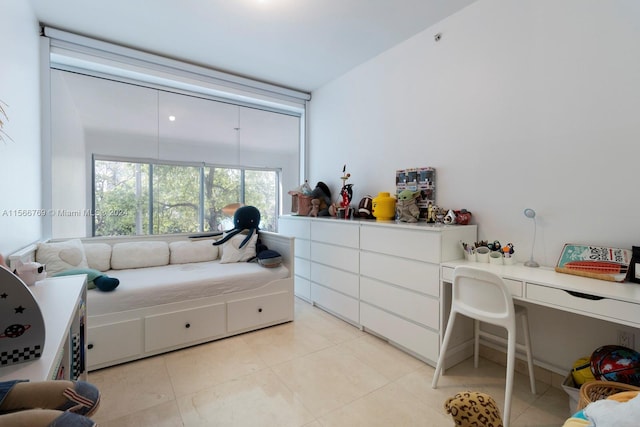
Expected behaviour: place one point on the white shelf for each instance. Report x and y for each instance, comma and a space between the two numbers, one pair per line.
60, 299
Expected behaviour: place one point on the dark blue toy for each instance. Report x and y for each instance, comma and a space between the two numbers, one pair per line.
245, 218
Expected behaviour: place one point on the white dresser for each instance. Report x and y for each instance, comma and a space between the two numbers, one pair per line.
381, 276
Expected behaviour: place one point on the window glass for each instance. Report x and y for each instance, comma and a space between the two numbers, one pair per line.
121, 198
176, 200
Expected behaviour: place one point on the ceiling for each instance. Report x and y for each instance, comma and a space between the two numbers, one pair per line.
299, 44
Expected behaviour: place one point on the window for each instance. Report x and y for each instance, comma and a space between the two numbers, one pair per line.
133, 197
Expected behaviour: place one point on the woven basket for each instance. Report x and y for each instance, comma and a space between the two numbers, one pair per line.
596, 390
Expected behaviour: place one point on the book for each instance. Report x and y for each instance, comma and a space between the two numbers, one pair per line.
597, 262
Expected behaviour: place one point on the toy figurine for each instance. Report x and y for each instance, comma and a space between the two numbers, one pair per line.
406, 206
346, 192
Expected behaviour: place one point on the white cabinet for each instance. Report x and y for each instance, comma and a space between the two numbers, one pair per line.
382, 276
400, 281
62, 303
334, 267
300, 228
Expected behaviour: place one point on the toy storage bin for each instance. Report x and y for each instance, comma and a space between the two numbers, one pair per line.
300, 204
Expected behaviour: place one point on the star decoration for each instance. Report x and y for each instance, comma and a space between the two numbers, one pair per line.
19, 309
4, 295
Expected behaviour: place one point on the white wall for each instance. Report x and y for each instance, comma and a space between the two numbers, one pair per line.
520, 104
20, 159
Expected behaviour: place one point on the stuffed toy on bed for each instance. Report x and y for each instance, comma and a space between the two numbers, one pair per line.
245, 218
95, 278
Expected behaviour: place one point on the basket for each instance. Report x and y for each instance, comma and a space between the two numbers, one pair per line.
596, 390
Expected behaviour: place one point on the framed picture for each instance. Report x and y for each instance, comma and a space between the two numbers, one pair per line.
595, 261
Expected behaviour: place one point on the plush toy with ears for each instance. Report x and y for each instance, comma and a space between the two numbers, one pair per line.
30, 272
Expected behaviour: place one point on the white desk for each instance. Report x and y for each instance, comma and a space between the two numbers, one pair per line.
61, 301
600, 299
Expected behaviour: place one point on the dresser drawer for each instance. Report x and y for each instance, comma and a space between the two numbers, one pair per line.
300, 228
302, 267
603, 308
344, 306
409, 305
419, 276
250, 313
185, 326
302, 248
302, 287
415, 244
421, 341
335, 256
339, 280
335, 233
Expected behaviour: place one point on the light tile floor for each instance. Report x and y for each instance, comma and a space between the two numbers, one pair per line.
317, 371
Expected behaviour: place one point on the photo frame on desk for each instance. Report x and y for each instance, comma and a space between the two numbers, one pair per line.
597, 262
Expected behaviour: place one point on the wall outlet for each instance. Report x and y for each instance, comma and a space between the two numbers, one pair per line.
626, 339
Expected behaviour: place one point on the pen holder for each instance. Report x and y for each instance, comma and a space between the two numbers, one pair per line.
470, 256
482, 254
495, 257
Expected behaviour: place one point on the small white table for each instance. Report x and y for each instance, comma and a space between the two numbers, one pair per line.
62, 303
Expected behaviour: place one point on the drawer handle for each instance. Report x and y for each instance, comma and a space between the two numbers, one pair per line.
584, 296
90, 346
188, 325
260, 310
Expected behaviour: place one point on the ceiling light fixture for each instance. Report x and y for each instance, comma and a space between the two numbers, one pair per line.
172, 118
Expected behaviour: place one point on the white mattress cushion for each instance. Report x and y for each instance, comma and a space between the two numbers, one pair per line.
139, 254
60, 256
147, 287
183, 252
98, 255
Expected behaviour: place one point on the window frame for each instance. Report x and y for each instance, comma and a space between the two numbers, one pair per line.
201, 196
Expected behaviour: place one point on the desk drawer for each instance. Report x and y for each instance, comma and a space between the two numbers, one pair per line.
602, 308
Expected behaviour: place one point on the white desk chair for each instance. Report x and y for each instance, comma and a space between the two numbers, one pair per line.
484, 297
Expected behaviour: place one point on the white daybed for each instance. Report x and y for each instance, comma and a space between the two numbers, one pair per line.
174, 304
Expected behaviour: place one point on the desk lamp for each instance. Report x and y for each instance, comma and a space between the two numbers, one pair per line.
530, 213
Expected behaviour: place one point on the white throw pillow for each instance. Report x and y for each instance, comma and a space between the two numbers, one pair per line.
61, 256
98, 255
183, 252
139, 254
231, 251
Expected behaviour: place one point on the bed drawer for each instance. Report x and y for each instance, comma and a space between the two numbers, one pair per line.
184, 326
113, 342
265, 310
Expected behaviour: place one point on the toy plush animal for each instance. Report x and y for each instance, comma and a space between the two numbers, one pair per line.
30, 272
322, 193
245, 218
407, 207
473, 409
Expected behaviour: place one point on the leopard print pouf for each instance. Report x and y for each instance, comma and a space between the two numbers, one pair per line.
473, 409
